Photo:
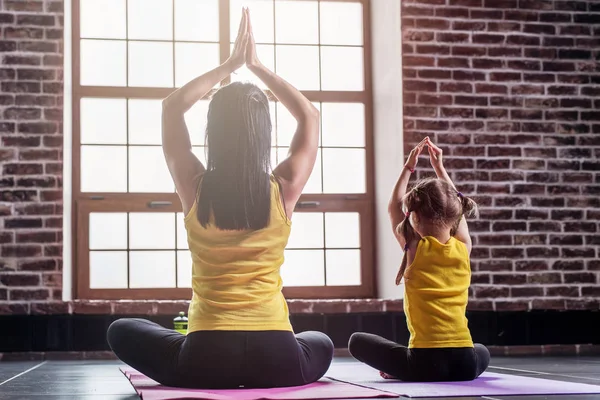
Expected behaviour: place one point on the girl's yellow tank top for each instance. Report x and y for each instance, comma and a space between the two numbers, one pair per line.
236, 279
436, 295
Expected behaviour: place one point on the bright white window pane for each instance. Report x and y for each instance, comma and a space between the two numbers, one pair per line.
342, 68
296, 22
192, 59
342, 229
307, 231
102, 19
108, 270
150, 64
287, 124
200, 152
145, 121
182, 242
303, 268
197, 20
266, 55
261, 14
152, 230
108, 231
103, 121
148, 172
344, 171
343, 267
341, 23
184, 269
314, 184
152, 269
195, 120
343, 124
103, 169
150, 19
103, 63
274, 160
299, 65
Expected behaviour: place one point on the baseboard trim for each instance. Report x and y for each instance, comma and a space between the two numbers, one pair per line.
512, 333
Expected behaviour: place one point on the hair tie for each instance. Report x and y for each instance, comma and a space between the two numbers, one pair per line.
406, 247
460, 194
407, 214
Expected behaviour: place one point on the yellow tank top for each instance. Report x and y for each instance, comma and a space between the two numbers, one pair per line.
235, 274
436, 295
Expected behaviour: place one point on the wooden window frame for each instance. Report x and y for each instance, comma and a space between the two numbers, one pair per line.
85, 203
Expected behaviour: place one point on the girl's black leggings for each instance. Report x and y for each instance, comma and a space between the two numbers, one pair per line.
221, 359
419, 365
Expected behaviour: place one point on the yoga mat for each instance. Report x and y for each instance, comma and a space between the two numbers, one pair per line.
488, 384
149, 389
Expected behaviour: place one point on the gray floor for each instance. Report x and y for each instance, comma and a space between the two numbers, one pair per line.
96, 380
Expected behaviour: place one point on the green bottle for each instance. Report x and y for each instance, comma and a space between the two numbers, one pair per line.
181, 323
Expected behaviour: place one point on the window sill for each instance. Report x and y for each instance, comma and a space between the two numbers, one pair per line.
166, 307
172, 307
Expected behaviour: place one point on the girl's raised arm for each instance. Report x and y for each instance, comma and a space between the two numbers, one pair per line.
395, 204
462, 231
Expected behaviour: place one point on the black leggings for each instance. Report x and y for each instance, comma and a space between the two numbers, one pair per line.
221, 359
419, 365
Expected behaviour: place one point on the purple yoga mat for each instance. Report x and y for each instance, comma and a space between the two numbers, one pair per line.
488, 384
149, 389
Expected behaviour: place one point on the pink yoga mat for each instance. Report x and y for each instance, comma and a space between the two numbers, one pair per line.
488, 384
149, 389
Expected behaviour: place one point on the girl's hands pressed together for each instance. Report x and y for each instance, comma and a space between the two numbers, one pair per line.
435, 155
413, 157
238, 56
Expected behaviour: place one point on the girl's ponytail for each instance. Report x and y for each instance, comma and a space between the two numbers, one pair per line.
405, 230
469, 206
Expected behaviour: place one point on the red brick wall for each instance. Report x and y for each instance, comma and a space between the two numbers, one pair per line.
31, 82
511, 90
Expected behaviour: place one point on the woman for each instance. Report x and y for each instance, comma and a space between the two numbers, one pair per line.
237, 216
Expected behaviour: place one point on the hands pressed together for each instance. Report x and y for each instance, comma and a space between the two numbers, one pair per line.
435, 155
244, 49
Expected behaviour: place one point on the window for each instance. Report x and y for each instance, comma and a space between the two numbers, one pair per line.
128, 55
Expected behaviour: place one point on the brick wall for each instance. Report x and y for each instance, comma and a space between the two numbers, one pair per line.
511, 90
31, 76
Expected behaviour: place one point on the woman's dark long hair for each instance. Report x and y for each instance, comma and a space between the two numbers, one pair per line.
236, 186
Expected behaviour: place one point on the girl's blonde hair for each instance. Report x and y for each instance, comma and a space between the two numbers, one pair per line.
437, 202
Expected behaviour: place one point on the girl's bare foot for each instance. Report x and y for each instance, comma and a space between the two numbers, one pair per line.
385, 376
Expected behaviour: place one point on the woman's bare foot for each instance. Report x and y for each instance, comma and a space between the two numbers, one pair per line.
385, 376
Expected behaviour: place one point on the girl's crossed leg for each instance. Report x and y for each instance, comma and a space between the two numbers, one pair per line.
419, 365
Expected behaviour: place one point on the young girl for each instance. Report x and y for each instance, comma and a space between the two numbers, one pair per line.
429, 223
